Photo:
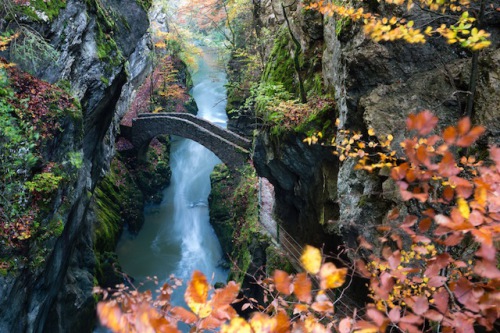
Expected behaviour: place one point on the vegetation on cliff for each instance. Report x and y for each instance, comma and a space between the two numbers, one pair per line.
34, 169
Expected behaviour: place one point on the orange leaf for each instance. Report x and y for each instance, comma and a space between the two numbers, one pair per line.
463, 125
282, 322
299, 307
422, 155
302, 288
196, 294
282, 281
223, 297
449, 135
483, 236
331, 276
345, 325
183, 315
322, 307
311, 259
111, 316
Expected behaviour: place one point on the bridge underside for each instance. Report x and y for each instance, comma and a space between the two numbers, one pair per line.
219, 141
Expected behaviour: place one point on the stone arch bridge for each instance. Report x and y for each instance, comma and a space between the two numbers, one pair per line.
232, 149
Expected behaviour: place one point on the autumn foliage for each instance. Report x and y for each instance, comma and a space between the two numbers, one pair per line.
463, 30
433, 270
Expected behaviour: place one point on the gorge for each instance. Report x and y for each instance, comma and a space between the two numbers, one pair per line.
322, 91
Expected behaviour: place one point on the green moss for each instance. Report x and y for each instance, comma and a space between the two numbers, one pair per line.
279, 68
105, 80
145, 4
115, 202
276, 259
107, 49
50, 8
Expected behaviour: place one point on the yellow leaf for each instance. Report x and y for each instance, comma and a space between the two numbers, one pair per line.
463, 207
311, 259
236, 325
337, 122
261, 322
390, 137
196, 294
331, 276
371, 132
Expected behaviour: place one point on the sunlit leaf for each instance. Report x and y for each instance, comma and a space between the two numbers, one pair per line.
331, 276
197, 293
237, 325
311, 259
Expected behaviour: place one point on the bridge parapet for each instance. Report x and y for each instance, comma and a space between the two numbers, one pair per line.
145, 128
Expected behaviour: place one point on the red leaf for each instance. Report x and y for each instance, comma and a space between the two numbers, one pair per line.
424, 122
433, 315
441, 298
437, 281
364, 243
211, 323
448, 193
462, 289
487, 269
395, 314
447, 166
421, 305
453, 239
463, 187
378, 317
471, 137
425, 224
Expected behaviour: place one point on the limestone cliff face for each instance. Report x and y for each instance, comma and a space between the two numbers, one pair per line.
318, 198
102, 49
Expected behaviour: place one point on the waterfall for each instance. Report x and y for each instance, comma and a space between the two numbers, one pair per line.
177, 237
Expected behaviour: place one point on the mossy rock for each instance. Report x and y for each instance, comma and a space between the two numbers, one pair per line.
280, 68
276, 259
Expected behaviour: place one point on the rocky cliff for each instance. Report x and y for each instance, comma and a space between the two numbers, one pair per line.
100, 48
319, 199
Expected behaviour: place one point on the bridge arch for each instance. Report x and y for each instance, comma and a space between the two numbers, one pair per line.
145, 128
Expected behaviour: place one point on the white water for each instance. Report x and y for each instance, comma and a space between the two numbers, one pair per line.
177, 237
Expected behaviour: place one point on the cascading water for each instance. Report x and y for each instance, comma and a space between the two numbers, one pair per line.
177, 237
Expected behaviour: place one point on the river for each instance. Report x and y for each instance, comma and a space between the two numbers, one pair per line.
177, 237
